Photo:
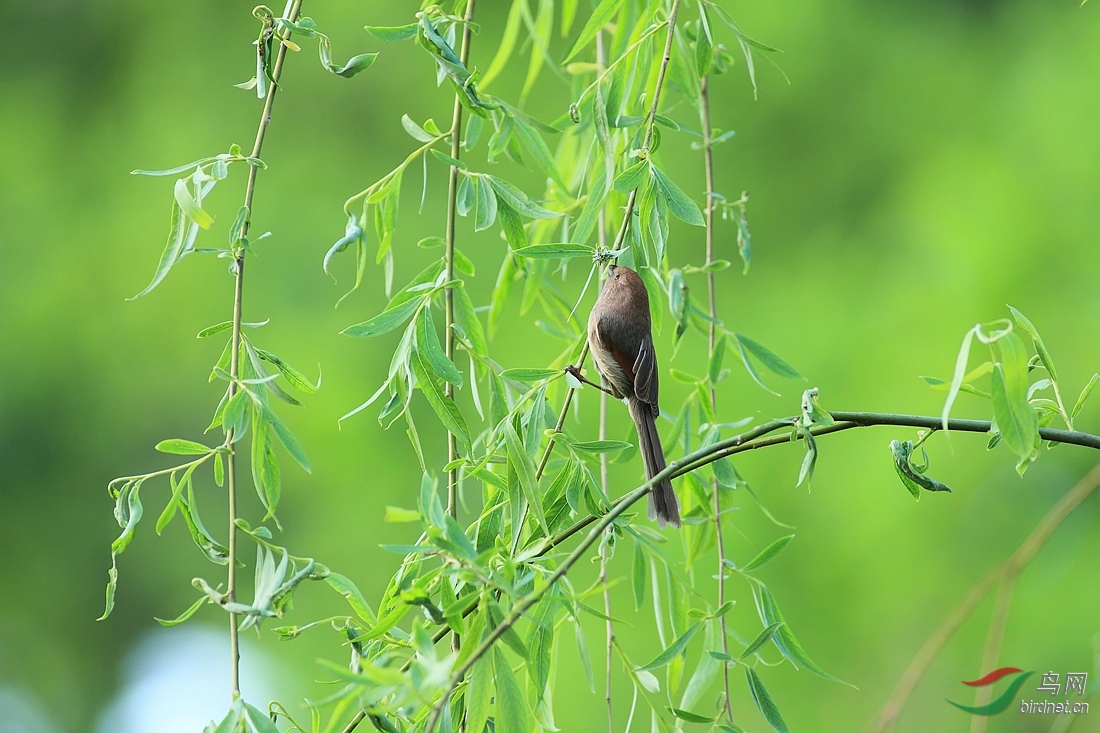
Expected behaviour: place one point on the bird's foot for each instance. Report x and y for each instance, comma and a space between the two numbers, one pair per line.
576, 373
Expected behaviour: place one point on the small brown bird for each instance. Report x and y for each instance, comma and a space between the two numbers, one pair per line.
621, 341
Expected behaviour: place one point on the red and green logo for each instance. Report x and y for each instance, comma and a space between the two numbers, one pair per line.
1001, 703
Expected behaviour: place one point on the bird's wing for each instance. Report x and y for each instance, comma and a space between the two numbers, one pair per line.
612, 363
645, 373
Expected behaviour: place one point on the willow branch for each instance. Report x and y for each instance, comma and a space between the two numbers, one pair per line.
601, 235
234, 357
1004, 573
708, 169
994, 637
449, 293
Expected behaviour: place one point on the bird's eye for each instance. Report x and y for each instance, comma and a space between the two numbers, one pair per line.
616, 277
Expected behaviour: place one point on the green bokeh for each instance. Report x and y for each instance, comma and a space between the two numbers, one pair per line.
927, 164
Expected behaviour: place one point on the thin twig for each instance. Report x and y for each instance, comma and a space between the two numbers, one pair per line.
1008, 570
234, 357
601, 237
449, 293
994, 637
708, 166
452, 206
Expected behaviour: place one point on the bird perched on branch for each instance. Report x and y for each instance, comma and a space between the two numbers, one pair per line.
621, 341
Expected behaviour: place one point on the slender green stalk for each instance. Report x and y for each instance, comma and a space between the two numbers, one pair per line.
601, 224
234, 358
708, 211
449, 294
994, 637
1006, 572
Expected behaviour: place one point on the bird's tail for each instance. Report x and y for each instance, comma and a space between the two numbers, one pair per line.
662, 499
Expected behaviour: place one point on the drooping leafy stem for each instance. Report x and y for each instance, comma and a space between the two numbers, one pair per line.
452, 199
235, 349
992, 650
712, 299
244, 406
609, 625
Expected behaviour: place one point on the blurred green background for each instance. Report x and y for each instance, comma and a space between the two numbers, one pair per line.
928, 163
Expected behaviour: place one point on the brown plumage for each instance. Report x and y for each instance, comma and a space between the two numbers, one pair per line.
621, 341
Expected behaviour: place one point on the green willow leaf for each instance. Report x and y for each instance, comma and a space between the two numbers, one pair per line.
674, 650
600, 17
427, 341
761, 639
393, 33
764, 702
292, 375
345, 587
232, 722
479, 695
192, 609
632, 177
775, 363
600, 446
912, 479
455, 162
519, 201
540, 152
172, 250
385, 321
1085, 393
783, 637
261, 721
1037, 340
521, 463
529, 376
768, 554
128, 511
1016, 419
690, 716
189, 206
559, 251
486, 205
679, 203
444, 406
287, 439
181, 447
507, 43
511, 225
502, 291
511, 709
638, 575
467, 319
200, 535
540, 643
